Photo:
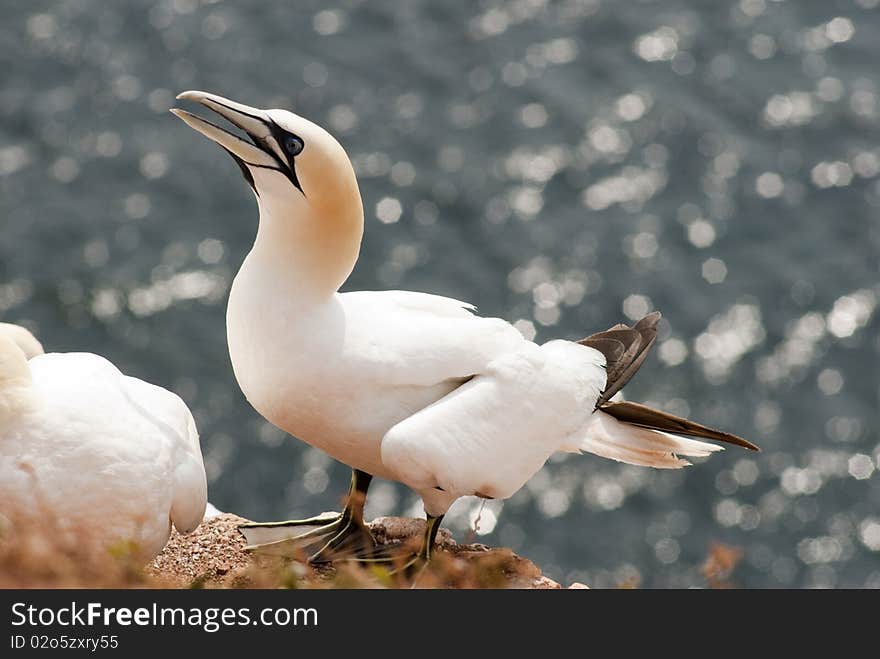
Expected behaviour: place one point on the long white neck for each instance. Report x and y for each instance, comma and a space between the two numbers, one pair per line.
309, 251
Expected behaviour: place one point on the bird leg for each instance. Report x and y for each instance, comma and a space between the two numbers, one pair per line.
419, 561
332, 533
352, 537
432, 526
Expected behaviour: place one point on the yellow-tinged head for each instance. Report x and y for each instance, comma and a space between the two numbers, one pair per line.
13, 364
310, 204
22, 338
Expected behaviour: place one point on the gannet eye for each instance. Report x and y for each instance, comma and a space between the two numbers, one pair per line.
293, 145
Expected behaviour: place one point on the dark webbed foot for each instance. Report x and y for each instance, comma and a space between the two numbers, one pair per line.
287, 538
350, 538
327, 536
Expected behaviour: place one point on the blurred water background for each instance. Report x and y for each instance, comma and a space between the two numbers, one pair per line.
564, 165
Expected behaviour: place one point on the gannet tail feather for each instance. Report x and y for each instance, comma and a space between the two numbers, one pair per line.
624, 348
634, 433
642, 416
609, 438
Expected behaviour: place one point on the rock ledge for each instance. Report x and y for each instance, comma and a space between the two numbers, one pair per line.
213, 556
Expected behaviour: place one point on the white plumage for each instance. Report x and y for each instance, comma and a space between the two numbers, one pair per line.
416, 388
403, 385
606, 436
492, 434
91, 453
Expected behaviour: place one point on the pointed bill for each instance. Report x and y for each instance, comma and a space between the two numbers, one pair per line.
251, 120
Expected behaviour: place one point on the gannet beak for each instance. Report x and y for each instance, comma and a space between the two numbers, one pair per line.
253, 121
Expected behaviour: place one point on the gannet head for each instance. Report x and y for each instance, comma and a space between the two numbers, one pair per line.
311, 214
289, 161
21, 337
13, 364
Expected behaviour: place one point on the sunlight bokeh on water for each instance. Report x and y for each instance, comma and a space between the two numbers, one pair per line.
563, 165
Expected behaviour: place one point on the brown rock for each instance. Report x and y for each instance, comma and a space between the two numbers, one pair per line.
213, 556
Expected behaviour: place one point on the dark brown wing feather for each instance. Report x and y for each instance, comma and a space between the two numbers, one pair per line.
637, 414
625, 348
625, 344
613, 349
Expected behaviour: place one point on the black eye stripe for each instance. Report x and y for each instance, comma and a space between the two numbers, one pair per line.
280, 136
288, 169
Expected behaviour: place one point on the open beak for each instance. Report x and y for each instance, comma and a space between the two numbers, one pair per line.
255, 122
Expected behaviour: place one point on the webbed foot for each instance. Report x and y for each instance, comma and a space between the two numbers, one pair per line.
322, 538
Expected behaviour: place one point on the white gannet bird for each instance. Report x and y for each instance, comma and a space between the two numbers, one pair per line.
402, 385
92, 454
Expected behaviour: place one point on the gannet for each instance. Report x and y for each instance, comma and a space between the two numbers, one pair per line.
401, 385
92, 456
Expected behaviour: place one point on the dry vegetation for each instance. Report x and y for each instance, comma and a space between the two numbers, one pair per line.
720, 564
48, 556
213, 556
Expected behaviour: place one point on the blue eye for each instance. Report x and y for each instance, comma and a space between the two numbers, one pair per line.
293, 145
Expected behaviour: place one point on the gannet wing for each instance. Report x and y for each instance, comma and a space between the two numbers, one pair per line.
414, 339
190, 496
169, 415
104, 452
625, 349
489, 436
434, 304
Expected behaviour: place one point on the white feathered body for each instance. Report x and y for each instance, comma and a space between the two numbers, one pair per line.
417, 388
492, 434
340, 373
100, 455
